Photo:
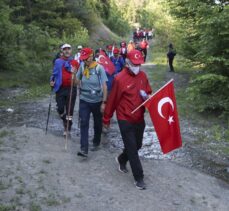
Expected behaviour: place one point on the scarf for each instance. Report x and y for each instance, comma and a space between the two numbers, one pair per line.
86, 71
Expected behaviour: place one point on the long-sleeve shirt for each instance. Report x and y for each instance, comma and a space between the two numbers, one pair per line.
125, 97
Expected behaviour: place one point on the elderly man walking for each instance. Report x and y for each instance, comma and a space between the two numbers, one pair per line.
130, 88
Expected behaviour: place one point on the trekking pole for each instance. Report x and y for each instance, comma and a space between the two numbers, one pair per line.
49, 110
69, 110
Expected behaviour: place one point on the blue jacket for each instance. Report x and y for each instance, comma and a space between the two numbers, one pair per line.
57, 71
118, 62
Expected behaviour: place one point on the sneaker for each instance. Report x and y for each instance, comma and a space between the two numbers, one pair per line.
82, 154
95, 148
122, 168
140, 184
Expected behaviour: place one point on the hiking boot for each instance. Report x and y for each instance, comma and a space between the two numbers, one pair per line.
140, 184
94, 148
82, 154
122, 167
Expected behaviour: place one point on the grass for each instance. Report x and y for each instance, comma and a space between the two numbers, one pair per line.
34, 207
52, 201
5, 133
32, 92
19, 179
186, 109
3, 186
20, 191
34, 82
7, 207
157, 77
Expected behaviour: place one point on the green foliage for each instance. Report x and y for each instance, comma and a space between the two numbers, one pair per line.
203, 33
202, 37
31, 31
9, 34
210, 93
113, 15
115, 21
155, 15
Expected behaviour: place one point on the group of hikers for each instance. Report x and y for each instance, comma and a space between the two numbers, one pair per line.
103, 94
140, 34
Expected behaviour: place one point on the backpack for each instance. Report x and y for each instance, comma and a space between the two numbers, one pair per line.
172, 53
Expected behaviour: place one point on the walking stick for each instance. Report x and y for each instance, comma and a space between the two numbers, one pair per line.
49, 110
69, 110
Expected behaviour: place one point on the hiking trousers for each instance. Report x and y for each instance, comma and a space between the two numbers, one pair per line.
132, 136
86, 109
171, 64
145, 53
62, 100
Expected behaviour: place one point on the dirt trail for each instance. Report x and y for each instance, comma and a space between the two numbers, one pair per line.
37, 171
38, 174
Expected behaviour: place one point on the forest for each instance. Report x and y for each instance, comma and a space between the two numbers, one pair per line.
32, 30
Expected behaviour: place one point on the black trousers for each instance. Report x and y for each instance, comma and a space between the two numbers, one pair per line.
171, 64
62, 100
132, 135
145, 53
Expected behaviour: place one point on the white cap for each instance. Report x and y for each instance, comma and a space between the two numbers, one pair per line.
79, 47
66, 46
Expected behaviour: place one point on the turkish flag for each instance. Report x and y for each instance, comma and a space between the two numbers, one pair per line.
163, 112
106, 63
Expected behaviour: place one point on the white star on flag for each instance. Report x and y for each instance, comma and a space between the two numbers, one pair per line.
170, 120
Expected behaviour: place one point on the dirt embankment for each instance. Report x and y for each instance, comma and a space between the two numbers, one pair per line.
100, 35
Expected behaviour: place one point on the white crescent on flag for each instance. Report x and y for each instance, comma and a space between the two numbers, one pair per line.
136, 56
104, 61
161, 103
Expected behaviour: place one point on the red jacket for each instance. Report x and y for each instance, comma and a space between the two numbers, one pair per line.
144, 44
125, 97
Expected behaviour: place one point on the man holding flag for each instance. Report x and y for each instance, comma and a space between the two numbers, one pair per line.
130, 88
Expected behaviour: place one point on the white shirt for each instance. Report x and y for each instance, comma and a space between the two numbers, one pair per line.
77, 57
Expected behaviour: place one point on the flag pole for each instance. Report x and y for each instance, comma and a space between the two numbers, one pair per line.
151, 96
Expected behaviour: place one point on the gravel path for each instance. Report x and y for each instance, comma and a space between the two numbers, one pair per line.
38, 174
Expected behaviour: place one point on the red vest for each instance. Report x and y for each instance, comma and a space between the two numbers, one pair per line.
67, 76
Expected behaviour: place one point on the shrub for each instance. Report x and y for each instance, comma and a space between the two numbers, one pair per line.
210, 93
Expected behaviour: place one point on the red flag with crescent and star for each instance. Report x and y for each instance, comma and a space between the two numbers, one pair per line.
163, 112
106, 63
